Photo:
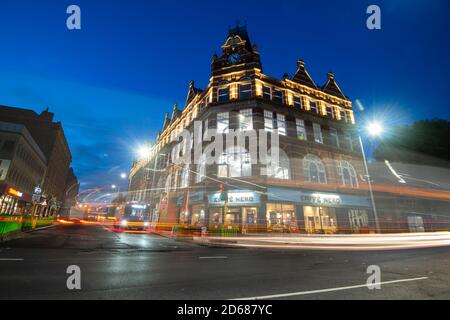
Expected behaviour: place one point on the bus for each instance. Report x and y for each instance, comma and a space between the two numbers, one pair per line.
133, 216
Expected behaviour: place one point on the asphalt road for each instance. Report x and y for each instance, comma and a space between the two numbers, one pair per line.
144, 266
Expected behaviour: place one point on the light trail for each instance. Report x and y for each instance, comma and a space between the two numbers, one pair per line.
337, 242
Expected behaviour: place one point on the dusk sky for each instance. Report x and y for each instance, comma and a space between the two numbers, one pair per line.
111, 82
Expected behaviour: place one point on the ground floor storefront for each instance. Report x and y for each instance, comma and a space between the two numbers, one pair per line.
275, 210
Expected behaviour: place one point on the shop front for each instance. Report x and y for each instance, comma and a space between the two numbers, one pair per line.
239, 210
296, 210
14, 201
192, 211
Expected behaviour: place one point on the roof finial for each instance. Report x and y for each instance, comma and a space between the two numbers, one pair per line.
330, 75
301, 63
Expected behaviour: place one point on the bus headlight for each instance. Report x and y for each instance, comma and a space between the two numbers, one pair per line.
124, 223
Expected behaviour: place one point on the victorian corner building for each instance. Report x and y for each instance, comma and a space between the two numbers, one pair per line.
318, 185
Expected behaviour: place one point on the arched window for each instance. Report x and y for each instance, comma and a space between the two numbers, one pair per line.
235, 162
185, 177
347, 174
279, 169
314, 169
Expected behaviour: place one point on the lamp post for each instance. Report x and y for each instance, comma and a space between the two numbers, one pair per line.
374, 129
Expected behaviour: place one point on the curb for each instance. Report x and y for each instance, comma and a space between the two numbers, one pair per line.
19, 234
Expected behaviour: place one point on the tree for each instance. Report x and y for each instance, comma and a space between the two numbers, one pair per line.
426, 142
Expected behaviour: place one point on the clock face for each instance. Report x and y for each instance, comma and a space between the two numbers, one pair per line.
234, 58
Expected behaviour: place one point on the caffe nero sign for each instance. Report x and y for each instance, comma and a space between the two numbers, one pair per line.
312, 198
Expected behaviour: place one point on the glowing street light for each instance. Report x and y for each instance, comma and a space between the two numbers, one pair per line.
375, 129
123, 175
113, 186
144, 152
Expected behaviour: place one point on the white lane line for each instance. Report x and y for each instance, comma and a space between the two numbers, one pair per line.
218, 257
302, 293
5, 259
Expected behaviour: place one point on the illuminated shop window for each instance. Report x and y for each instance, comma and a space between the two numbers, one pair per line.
314, 169
347, 174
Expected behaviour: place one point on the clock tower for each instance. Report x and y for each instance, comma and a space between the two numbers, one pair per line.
238, 54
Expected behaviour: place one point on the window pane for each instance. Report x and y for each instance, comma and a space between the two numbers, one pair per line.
245, 91
313, 106
298, 102
281, 123
267, 93
317, 133
223, 94
334, 138
277, 96
301, 130
268, 121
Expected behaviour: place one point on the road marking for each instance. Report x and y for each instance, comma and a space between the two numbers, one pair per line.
302, 293
218, 257
5, 259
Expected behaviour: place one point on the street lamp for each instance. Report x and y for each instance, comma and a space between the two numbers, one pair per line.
123, 175
374, 129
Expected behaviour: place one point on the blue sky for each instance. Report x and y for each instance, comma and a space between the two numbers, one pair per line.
111, 82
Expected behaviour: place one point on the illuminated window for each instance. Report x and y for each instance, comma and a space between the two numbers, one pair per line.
314, 169
281, 124
223, 122
317, 133
301, 129
334, 137
347, 174
268, 120
223, 94
246, 119
278, 96
245, 91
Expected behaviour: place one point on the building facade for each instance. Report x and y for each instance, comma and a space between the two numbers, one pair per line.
318, 184
50, 138
22, 169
